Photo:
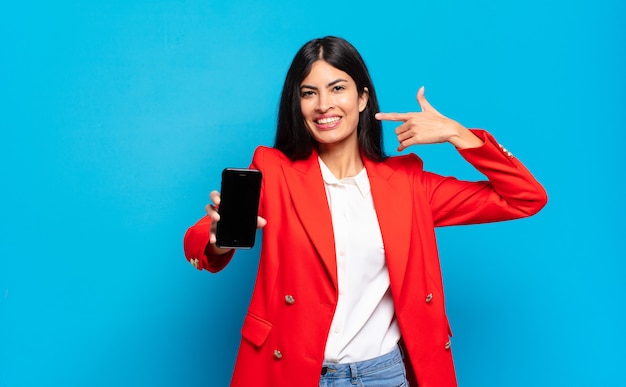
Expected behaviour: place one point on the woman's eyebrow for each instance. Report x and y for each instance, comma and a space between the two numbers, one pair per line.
329, 85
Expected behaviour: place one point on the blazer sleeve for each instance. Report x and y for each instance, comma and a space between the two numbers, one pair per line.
195, 243
511, 191
197, 236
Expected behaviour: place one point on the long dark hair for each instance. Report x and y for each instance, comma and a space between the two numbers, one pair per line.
292, 135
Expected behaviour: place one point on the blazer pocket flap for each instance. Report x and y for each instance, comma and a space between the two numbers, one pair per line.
255, 329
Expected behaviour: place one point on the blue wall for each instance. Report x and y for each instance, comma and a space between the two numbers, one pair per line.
116, 119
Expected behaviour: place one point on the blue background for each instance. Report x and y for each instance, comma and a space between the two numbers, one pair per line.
117, 118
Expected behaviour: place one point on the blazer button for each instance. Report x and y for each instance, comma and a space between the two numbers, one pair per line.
289, 299
506, 151
429, 297
448, 345
277, 354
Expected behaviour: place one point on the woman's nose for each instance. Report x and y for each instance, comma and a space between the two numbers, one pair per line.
324, 102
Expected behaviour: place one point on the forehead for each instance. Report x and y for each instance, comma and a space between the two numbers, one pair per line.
323, 72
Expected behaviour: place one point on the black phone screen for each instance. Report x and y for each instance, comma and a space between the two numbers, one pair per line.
238, 209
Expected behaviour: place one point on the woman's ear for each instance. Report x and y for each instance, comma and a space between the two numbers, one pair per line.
363, 98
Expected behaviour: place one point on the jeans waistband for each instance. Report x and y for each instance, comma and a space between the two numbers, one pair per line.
360, 368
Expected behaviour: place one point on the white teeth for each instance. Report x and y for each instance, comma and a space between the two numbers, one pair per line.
329, 120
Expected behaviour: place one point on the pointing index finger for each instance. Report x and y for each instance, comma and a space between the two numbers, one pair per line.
392, 116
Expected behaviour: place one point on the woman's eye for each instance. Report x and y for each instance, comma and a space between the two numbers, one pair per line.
338, 88
306, 93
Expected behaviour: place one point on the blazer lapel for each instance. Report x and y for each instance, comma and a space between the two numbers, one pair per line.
306, 186
391, 193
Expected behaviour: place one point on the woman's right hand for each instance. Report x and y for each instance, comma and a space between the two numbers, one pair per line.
211, 211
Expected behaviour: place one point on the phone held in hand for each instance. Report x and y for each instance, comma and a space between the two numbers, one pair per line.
238, 209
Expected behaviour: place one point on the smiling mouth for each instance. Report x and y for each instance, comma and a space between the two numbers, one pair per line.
328, 120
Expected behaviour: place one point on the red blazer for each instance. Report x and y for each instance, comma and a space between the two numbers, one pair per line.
294, 299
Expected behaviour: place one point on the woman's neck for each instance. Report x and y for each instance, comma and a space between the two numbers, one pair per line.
342, 162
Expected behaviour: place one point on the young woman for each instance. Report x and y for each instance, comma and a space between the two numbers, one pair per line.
349, 285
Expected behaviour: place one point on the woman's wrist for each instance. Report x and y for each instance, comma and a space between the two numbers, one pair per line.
463, 138
213, 250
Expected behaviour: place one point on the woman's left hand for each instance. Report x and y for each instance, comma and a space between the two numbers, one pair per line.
429, 127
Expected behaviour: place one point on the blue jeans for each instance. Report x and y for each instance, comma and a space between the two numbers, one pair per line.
383, 371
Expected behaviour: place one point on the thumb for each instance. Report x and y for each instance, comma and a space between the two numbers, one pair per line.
260, 222
421, 100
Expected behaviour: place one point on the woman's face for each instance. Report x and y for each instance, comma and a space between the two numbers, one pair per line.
331, 104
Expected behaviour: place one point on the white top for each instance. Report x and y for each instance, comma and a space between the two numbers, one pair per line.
364, 325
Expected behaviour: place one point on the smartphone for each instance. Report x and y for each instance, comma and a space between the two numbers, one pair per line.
239, 207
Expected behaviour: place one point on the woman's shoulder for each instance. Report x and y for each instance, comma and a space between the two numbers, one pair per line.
266, 151
403, 165
410, 160
264, 155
